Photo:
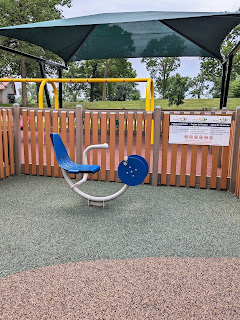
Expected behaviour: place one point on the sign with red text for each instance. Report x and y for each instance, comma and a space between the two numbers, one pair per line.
200, 129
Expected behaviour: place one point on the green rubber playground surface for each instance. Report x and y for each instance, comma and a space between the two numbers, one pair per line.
43, 223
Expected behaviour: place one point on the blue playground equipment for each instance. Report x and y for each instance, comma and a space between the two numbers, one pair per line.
132, 170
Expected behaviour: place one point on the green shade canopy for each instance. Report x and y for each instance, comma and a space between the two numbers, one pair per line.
130, 34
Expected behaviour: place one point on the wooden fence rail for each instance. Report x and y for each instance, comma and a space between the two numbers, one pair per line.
237, 187
126, 133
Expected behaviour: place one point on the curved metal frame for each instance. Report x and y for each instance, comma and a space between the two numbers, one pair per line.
93, 200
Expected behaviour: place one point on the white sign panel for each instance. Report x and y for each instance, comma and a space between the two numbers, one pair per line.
199, 129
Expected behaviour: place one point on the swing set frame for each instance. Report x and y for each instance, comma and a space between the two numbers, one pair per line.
149, 105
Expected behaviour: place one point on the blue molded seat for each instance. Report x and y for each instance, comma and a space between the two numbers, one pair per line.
65, 162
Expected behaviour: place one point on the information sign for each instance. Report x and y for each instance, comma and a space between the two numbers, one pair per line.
200, 129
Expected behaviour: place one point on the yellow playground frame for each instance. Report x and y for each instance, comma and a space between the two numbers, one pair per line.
149, 104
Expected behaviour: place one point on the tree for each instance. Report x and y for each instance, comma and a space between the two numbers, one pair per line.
84, 69
198, 85
211, 68
177, 88
234, 89
104, 94
123, 91
160, 70
103, 68
15, 12
134, 95
32, 94
122, 68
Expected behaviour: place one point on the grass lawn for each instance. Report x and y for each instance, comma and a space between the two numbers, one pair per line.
189, 104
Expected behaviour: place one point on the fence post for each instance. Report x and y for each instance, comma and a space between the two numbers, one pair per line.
157, 131
17, 138
79, 136
235, 151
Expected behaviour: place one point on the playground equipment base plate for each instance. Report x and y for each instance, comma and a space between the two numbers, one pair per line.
96, 203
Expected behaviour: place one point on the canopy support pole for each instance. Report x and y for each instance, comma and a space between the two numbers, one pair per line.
224, 67
224, 104
43, 74
60, 94
225, 86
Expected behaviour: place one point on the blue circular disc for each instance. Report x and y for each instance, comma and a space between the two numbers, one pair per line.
133, 171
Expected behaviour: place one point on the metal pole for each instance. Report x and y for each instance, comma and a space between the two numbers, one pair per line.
27, 55
60, 88
224, 65
45, 88
227, 81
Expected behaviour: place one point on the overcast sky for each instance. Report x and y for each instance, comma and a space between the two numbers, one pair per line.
81, 8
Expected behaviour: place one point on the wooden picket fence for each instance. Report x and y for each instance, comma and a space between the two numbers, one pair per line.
202, 161
126, 132
6, 144
78, 130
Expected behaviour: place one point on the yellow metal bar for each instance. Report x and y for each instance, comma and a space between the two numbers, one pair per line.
55, 95
152, 109
40, 93
148, 90
75, 80
152, 96
40, 96
150, 103
22, 80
